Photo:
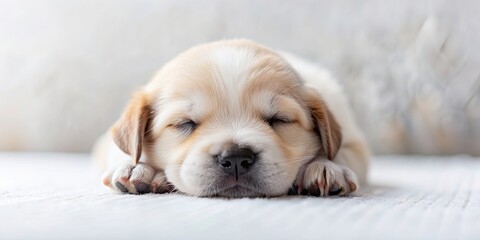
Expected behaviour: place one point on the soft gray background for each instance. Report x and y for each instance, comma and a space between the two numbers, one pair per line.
411, 67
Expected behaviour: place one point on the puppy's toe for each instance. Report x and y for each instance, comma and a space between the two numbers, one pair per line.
335, 190
120, 179
326, 178
141, 178
350, 179
121, 187
160, 183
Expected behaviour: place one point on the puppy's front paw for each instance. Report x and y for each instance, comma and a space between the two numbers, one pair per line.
136, 179
326, 178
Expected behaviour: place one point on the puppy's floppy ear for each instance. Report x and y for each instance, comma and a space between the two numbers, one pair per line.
325, 123
130, 130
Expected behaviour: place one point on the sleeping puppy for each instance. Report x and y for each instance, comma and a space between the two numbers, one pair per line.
236, 119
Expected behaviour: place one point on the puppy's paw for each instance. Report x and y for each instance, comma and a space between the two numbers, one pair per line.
136, 179
326, 178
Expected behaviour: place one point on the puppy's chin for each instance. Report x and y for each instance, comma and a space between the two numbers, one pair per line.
246, 187
238, 191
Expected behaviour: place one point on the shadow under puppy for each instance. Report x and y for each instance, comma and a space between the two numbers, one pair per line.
236, 119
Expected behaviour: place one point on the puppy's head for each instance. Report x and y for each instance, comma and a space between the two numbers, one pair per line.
229, 118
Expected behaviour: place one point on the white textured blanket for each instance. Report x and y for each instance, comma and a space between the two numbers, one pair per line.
59, 196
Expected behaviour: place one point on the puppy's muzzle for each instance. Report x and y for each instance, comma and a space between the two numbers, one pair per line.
237, 161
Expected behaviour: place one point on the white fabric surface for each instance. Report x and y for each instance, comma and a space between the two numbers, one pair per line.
59, 196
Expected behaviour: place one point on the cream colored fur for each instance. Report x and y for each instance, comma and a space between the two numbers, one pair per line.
230, 88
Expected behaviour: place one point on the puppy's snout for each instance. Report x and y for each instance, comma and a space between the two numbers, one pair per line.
237, 161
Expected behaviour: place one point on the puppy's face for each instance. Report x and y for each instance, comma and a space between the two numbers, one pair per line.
228, 119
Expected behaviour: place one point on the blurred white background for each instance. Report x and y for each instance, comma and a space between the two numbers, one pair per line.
411, 68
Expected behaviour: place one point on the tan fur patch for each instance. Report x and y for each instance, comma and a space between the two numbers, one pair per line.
129, 131
327, 126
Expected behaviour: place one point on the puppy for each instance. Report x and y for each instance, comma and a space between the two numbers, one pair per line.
236, 119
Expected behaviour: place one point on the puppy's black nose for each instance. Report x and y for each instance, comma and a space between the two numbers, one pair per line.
237, 161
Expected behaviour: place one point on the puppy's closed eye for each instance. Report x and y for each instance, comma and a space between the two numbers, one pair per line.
276, 120
186, 127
